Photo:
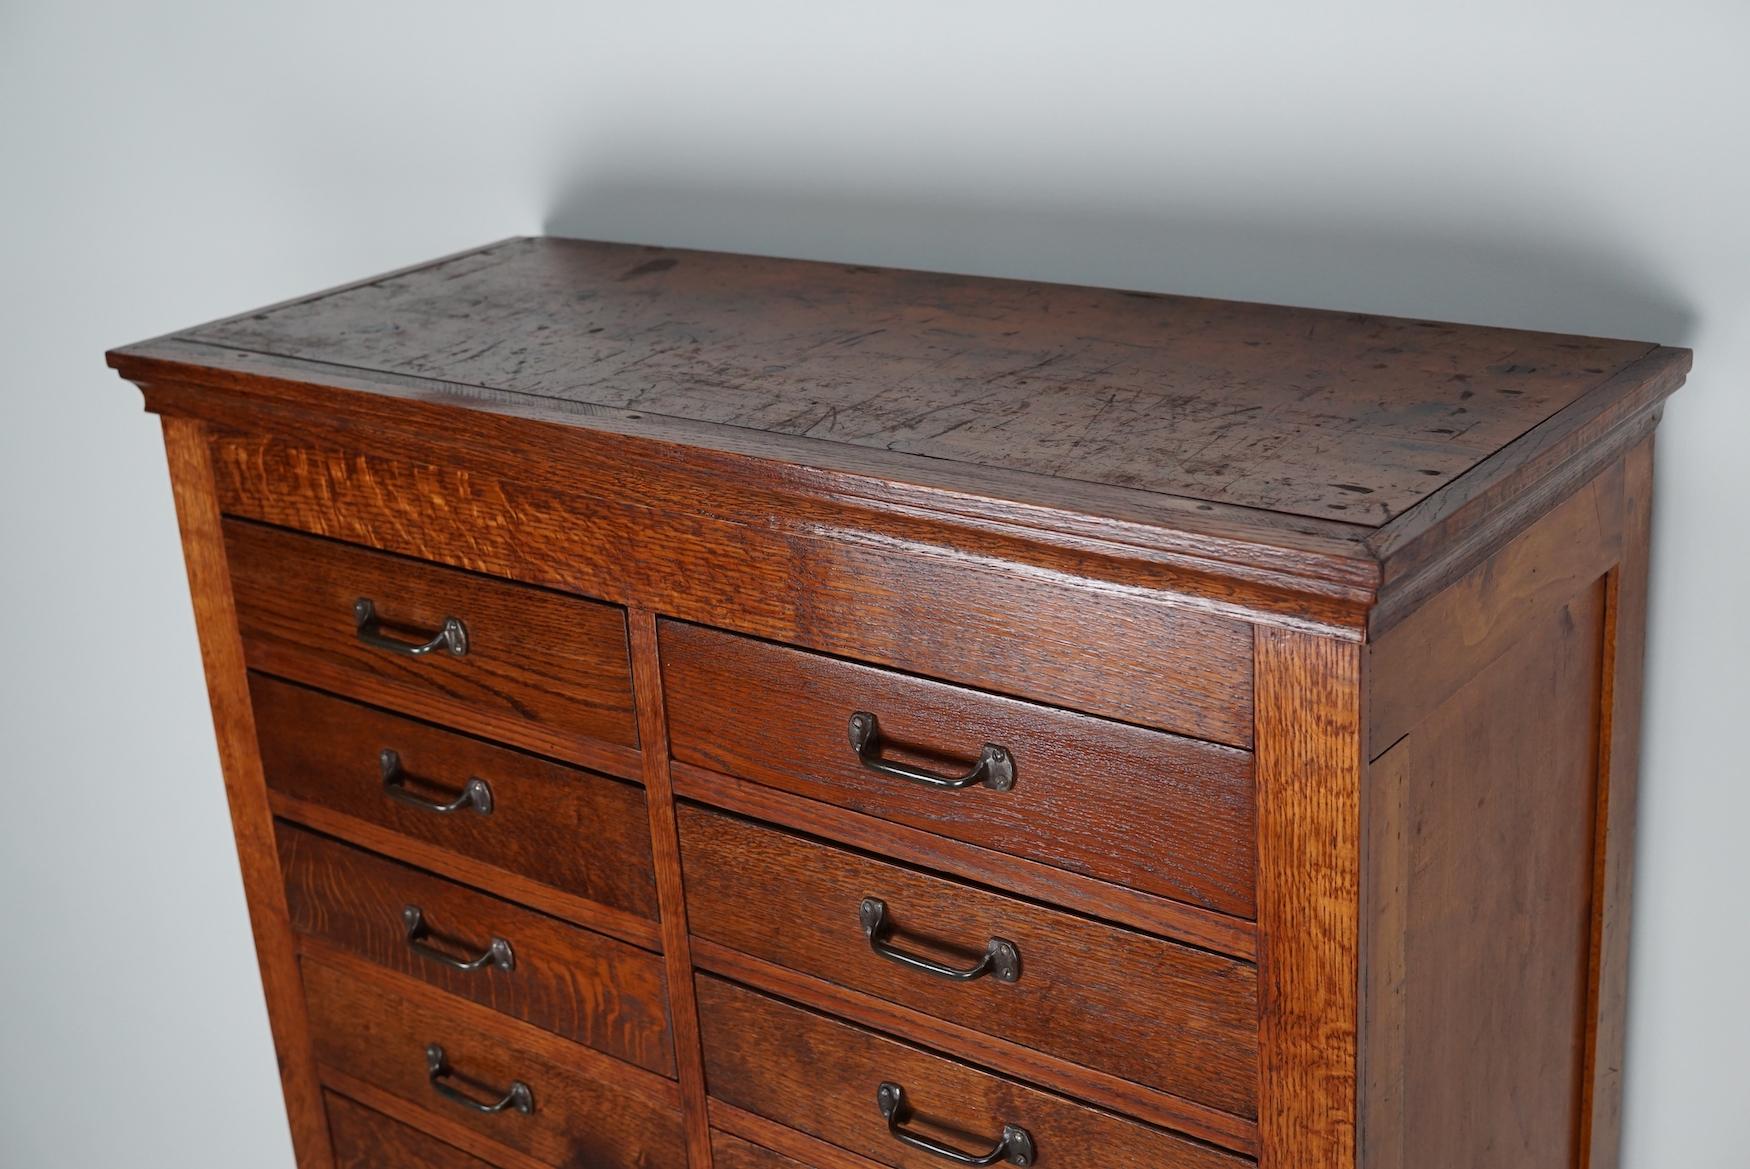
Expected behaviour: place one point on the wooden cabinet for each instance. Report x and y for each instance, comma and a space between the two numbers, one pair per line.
687, 710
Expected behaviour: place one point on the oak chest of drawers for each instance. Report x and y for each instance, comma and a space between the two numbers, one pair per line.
689, 710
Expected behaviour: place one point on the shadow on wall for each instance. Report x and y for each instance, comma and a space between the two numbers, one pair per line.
1350, 265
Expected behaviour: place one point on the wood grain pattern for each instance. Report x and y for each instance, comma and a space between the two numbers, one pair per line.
582, 833
544, 671
1309, 763
1386, 579
731, 1152
1171, 394
581, 985
1170, 1017
1170, 919
364, 1139
819, 1076
588, 1108
799, 568
1461, 630
215, 618
1625, 624
665, 845
1101, 1089
1495, 913
1167, 815
798, 1146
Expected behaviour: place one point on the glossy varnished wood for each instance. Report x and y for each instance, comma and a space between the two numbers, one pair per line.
541, 670
1317, 638
1138, 808
576, 983
364, 1139
665, 846
820, 1076
1309, 826
652, 537
731, 1152
582, 834
1176, 1019
222, 655
588, 1108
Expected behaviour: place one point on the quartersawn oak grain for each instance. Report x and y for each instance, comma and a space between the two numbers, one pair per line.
580, 833
1337, 541
222, 657
588, 1108
364, 1139
1173, 1018
820, 1076
1168, 815
578, 984
541, 670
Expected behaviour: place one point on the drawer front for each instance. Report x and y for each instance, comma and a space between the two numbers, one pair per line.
730, 1152
542, 670
821, 1076
1172, 1018
584, 834
571, 981
866, 582
364, 1139
1145, 809
583, 1107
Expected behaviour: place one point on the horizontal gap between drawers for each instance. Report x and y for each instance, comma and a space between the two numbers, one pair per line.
1048, 1072
1014, 876
606, 759
490, 879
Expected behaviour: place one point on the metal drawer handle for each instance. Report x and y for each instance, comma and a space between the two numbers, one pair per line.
1002, 961
475, 793
437, 1068
995, 767
453, 636
497, 952
1015, 1145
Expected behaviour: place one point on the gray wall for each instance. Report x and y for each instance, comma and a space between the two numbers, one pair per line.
1571, 166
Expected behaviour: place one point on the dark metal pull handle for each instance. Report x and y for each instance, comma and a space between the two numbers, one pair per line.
1002, 961
497, 952
995, 767
453, 636
437, 1071
1015, 1145
475, 793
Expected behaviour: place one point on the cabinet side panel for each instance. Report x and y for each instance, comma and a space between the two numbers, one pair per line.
1485, 818
1625, 633
203, 546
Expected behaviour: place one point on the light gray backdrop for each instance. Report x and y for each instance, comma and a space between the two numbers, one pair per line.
1575, 166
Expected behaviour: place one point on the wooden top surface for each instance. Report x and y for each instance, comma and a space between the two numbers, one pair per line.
1322, 426
1334, 415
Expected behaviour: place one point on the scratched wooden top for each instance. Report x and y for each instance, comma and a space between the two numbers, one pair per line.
1336, 416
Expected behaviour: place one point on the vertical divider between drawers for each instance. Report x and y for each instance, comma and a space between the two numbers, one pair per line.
665, 851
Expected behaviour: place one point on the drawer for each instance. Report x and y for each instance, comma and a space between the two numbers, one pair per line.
364, 1139
540, 669
574, 1106
1172, 1018
822, 1076
1156, 812
731, 1152
583, 834
573, 982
